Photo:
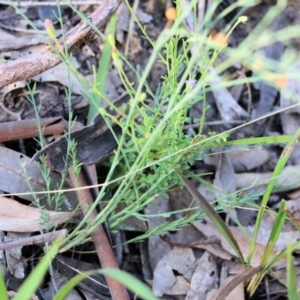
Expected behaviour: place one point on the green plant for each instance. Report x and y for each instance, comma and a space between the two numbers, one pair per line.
35, 278
32, 282
139, 288
153, 142
291, 277
100, 77
55, 201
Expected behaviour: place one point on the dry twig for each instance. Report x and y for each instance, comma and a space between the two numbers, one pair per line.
37, 239
34, 64
101, 242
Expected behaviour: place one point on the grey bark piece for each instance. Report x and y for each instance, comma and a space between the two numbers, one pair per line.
94, 143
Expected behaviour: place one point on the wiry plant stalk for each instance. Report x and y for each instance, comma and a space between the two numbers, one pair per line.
101, 242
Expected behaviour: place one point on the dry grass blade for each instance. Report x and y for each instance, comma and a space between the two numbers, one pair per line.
213, 216
295, 220
291, 277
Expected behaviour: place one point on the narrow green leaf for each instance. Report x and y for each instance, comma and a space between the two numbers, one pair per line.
135, 285
103, 68
291, 278
264, 140
278, 169
213, 215
280, 256
35, 278
67, 288
276, 229
126, 279
3, 291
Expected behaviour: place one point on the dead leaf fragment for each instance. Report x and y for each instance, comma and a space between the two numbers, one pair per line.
164, 281
224, 177
156, 248
15, 167
244, 243
233, 281
285, 238
227, 106
10, 42
18, 217
14, 259
288, 179
247, 158
204, 278
60, 73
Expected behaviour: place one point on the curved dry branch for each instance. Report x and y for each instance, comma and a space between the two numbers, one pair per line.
34, 64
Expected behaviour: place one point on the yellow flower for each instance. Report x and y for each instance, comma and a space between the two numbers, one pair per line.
171, 13
281, 81
50, 28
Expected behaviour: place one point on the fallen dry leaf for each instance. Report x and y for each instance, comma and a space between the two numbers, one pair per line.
9, 41
61, 74
164, 280
14, 259
227, 106
234, 281
285, 238
204, 278
15, 167
288, 180
247, 158
18, 217
208, 229
224, 176
243, 157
